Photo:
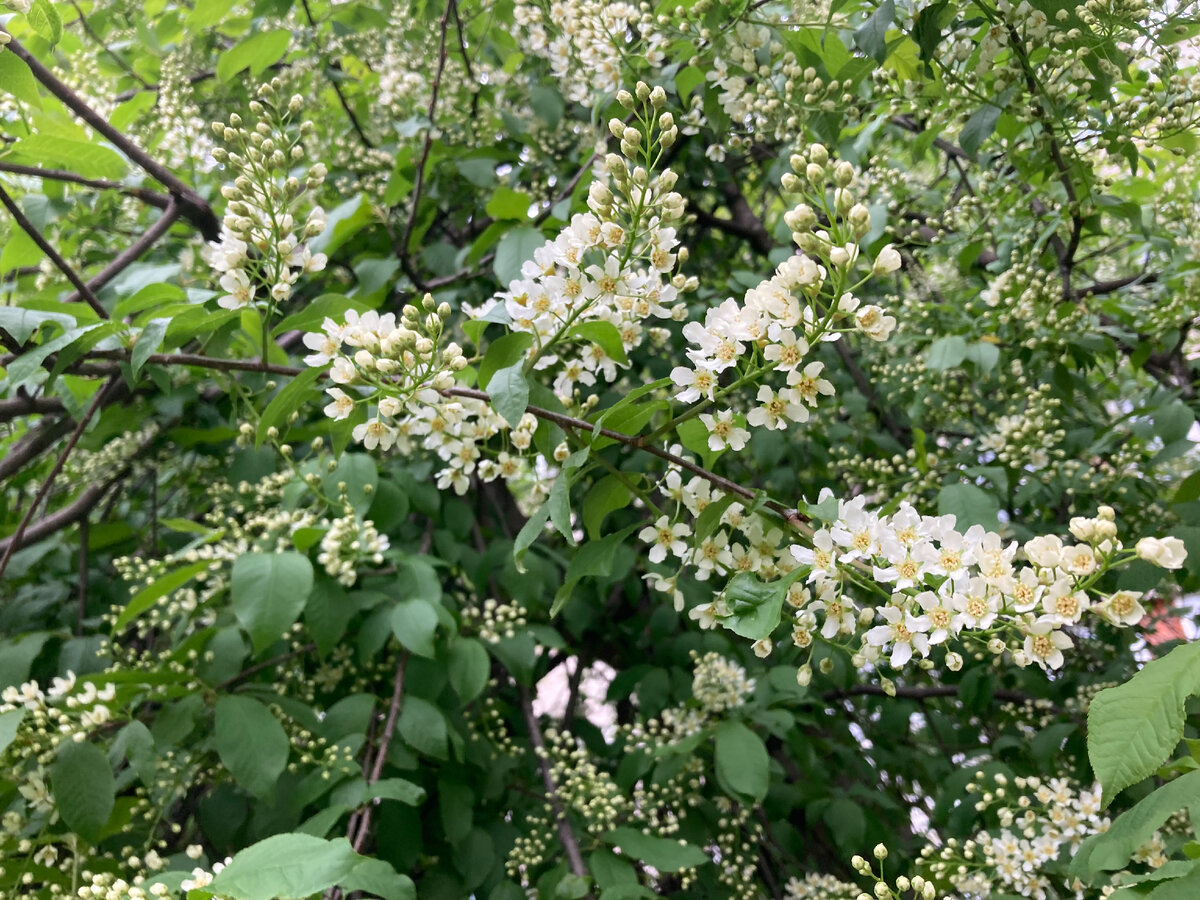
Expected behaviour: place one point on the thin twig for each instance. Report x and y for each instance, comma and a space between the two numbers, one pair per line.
133, 252
15, 540
566, 833
149, 197
81, 609
403, 247
385, 741
265, 664
81, 289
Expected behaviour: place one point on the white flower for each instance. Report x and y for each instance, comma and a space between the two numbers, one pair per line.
697, 383
722, 432
776, 410
807, 384
1121, 608
241, 291
1044, 645
342, 405
874, 323
888, 260
375, 433
1168, 552
665, 537
904, 631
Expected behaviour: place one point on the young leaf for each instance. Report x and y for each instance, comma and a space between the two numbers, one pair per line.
510, 393
469, 668
290, 398
257, 52
45, 20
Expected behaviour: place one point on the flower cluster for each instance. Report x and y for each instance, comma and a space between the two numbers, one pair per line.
348, 544
263, 243
585, 41
586, 295
898, 587
1034, 832
806, 301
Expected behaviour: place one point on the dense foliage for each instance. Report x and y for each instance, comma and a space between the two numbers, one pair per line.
512, 448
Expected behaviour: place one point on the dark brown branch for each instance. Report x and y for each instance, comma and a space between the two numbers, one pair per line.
73, 512
566, 833
152, 198
916, 693
1107, 287
385, 741
337, 88
44, 490
32, 445
195, 208
24, 406
81, 289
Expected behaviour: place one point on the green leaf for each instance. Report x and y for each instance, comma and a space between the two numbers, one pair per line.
286, 867
510, 393
984, 355
970, 505
455, 802
1134, 727
605, 496
16, 79
378, 877
251, 743
413, 623
595, 558
356, 475
148, 343
756, 605
978, 128
606, 335
398, 789
505, 203
269, 592
9, 723
1114, 848
21, 323
664, 854
547, 104
468, 668
210, 12
258, 52
514, 248
687, 80
84, 789
742, 765
327, 613
290, 398
155, 590
945, 353
502, 353
871, 36
333, 306
45, 20
423, 727
1173, 421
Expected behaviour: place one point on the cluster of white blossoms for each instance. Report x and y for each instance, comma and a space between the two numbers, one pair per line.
263, 241
67, 708
718, 685
583, 299
899, 587
611, 266
819, 886
587, 42
809, 299
1036, 830
349, 543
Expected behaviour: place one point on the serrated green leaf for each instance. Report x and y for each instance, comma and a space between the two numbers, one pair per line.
81, 157
606, 335
1134, 727
502, 353
1114, 848
469, 668
290, 398
45, 20
16, 79
414, 623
